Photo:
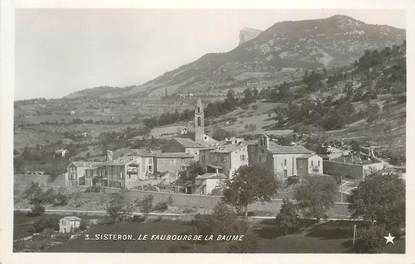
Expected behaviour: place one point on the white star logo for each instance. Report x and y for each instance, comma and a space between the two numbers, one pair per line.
389, 239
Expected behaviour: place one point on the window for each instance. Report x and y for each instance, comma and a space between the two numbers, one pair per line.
319, 163
285, 162
312, 163
198, 109
199, 121
243, 157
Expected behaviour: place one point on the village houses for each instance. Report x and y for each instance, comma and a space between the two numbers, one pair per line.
220, 159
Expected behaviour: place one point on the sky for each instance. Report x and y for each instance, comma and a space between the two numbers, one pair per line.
59, 51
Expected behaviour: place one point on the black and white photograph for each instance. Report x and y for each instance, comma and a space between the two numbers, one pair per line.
209, 131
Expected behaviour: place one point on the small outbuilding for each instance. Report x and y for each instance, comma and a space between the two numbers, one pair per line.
69, 224
207, 182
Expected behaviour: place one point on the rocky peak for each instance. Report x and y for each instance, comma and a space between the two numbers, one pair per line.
247, 34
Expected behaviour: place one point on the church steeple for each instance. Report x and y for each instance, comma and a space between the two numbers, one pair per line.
199, 121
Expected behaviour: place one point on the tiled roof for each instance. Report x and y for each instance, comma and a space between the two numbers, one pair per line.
188, 143
72, 218
229, 148
305, 156
120, 161
87, 163
173, 155
278, 149
140, 152
211, 176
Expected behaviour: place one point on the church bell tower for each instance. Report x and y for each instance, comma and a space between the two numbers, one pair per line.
199, 122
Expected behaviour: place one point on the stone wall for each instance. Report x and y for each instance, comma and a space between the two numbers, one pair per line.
209, 201
356, 171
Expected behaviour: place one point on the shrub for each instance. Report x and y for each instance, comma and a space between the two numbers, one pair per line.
37, 210
83, 225
161, 206
147, 203
60, 200
287, 219
370, 239
138, 218
46, 222
170, 201
93, 189
32, 191
118, 208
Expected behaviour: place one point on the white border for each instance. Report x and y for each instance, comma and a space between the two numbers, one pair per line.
6, 135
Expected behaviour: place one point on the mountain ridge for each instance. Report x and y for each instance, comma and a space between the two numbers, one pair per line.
283, 51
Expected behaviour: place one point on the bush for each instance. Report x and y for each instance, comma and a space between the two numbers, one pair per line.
147, 203
170, 201
37, 210
161, 206
46, 222
32, 191
287, 219
106, 221
93, 189
83, 225
60, 200
138, 218
370, 239
118, 209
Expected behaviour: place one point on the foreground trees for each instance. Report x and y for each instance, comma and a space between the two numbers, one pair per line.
315, 195
248, 185
380, 198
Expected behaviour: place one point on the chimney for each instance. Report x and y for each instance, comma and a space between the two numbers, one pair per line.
109, 155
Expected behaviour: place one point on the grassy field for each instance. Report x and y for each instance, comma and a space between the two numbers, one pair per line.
325, 238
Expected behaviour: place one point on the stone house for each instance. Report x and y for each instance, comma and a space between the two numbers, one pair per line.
185, 145
226, 158
208, 182
282, 160
172, 163
61, 153
309, 164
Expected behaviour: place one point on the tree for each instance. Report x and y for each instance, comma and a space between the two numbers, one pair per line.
370, 239
147, 204
315, 195
287, 219
118, 208
190, 173
381, 198
249, 184
230, 98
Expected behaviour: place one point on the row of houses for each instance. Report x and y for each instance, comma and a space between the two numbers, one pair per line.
220, 159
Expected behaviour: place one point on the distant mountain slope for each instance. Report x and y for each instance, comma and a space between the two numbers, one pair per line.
289, 46
100, 91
